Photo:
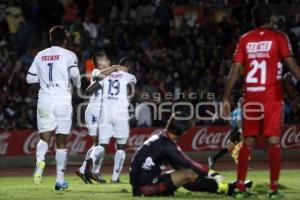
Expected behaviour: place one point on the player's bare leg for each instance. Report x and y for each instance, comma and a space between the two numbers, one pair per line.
61, 161
242, 169
274, 156
41, 150
119, 160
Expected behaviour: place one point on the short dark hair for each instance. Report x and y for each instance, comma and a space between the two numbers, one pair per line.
127, 62
98, 55
58, 35
178, 123
261, 14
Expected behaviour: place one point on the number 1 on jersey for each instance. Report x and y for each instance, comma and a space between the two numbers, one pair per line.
50, 71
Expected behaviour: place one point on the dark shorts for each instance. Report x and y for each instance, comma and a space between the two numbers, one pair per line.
235, 135
161, 185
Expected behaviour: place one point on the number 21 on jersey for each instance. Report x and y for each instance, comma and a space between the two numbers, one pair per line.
258, 74
259, 67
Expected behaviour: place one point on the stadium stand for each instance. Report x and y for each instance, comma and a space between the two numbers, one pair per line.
188, 55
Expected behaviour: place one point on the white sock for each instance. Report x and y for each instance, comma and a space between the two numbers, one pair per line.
82, 168
41, 150
119, 160
99, 164
61, 162
98, 159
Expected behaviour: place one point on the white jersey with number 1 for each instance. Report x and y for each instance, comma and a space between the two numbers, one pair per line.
52, 67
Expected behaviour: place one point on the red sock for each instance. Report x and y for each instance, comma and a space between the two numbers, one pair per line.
274, 154
242, 167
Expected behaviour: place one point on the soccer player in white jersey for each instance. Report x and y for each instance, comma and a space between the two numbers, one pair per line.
92, 113
117, 87
54, 68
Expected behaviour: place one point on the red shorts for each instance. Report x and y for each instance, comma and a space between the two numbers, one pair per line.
262, 118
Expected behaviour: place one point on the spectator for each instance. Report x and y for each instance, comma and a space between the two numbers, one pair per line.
90, 27
178, 60
71, 12
14, 17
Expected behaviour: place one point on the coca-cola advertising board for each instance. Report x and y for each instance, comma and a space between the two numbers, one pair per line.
200, 138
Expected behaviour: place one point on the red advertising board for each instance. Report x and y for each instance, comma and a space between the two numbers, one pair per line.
200, 138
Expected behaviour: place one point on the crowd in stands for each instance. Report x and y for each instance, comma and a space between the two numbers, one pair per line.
186, 61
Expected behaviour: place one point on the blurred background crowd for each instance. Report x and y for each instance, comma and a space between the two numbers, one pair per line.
181, 47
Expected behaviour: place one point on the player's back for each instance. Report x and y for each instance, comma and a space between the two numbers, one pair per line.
53, 65
115, 88
261, 51
150, 157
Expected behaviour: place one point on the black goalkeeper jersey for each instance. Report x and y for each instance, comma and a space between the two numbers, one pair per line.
150, 159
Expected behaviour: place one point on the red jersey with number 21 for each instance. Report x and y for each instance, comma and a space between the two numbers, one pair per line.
261, 51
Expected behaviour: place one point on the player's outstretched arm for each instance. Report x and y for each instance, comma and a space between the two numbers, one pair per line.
230, 82
99, 76
293, 67
179, 160
107, 72
93, 88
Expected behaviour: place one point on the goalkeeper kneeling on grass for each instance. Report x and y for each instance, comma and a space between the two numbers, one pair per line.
147, 177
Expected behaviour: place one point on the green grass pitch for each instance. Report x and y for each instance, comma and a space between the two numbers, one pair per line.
23, 188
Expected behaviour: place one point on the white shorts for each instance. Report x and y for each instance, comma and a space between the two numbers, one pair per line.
112, 126
54, 116
91, 117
